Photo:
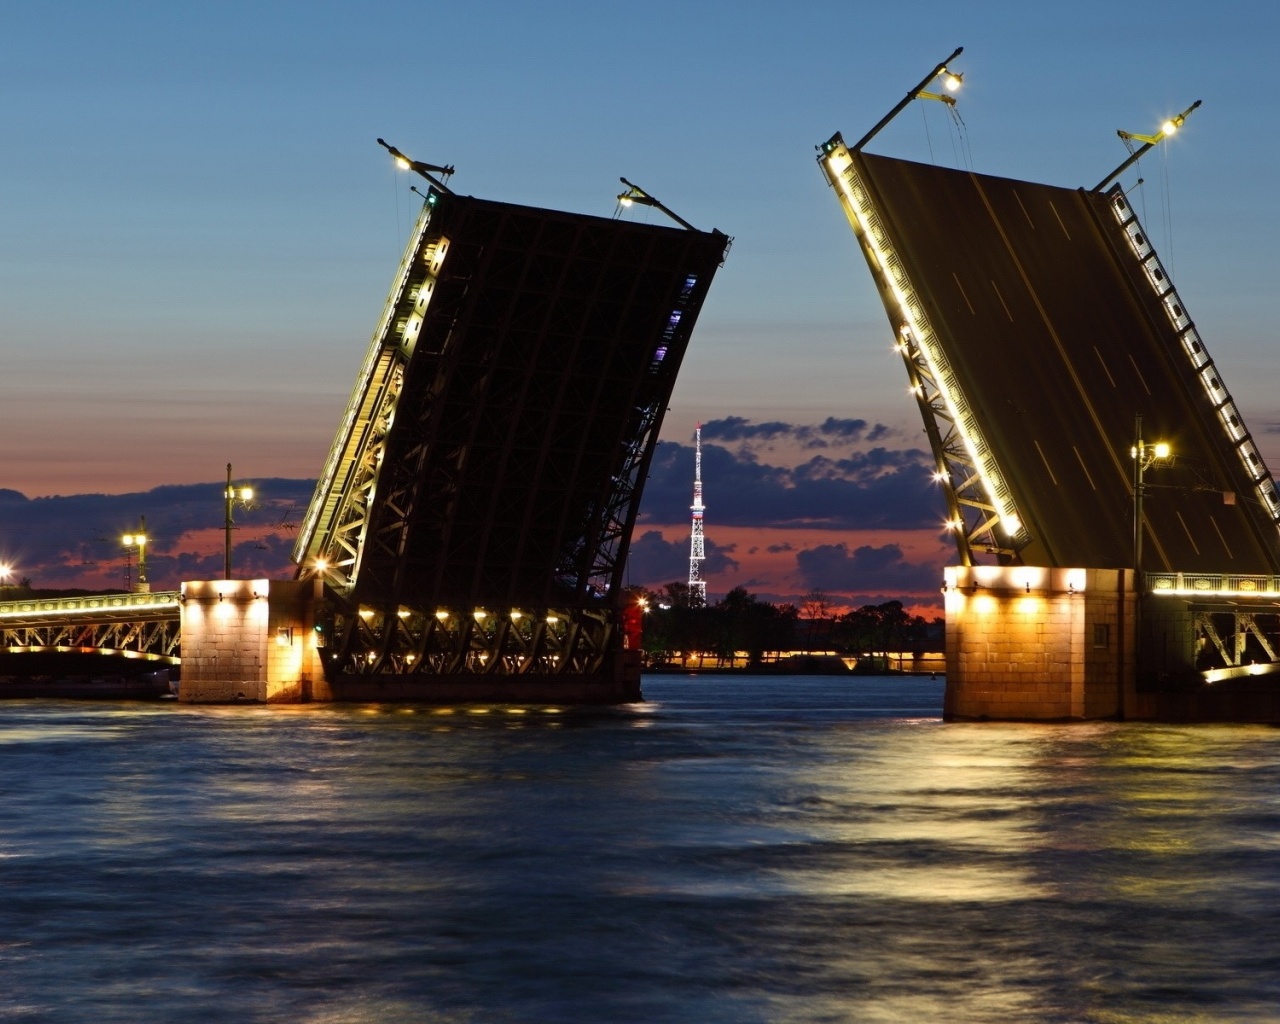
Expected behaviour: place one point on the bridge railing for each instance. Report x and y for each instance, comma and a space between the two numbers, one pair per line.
1206, 585
161, 604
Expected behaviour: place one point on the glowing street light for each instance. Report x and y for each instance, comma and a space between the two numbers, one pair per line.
951, 81
6, 571
639, 197
233, 496
139, 540
428, 171
1166, 129
1144, 457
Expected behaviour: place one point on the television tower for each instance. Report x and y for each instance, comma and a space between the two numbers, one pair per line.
697, 585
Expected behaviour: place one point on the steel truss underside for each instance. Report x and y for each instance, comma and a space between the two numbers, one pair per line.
153, 640
441, 644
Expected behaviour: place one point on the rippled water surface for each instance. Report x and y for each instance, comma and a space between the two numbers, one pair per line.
738, 849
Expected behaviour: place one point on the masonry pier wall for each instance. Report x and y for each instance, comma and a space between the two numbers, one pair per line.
250, 640
1030, 643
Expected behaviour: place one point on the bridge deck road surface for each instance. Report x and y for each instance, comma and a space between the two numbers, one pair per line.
1058, 341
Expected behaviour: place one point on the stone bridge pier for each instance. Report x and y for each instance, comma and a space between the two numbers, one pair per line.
1025, 642
251, 640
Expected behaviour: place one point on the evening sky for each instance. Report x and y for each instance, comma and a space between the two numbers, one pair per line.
197, 229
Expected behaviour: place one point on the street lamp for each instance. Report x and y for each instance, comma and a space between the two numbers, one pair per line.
1144, 457
425, 170
6, 571
1168, 128
233, 495
139, 540
638, 196
951, 80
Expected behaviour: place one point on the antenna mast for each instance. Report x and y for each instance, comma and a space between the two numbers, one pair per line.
697, 585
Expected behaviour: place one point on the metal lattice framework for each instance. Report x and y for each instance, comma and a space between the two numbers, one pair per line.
697, 539
980, 509
446, 644
1236, 618
143, 626
476, 508
334, 528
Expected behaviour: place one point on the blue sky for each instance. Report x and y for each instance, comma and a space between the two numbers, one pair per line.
197, 229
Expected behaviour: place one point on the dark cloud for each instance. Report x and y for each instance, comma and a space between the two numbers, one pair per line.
654, 561
737, 428
58, 540
778, 549
881, 488
866, 570
831, 431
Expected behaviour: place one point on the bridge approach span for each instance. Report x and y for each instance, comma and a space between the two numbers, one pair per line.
140, 625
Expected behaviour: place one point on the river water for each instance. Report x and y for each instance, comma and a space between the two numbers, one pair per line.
738, 849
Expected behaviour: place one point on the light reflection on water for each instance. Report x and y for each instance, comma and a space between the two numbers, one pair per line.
738, 849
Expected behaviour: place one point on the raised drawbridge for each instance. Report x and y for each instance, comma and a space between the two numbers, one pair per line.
1043, 340
472, 521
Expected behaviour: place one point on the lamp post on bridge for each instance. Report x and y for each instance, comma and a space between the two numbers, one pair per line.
232, 495
951, 80
1144, 456
139, 540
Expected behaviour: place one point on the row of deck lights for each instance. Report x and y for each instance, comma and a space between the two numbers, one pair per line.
443, 616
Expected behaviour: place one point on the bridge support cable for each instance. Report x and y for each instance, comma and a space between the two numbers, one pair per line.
1225, 413
982, 514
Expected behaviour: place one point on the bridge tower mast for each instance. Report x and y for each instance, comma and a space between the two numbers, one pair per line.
697, 585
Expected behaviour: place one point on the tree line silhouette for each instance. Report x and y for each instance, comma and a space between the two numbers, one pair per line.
677, 628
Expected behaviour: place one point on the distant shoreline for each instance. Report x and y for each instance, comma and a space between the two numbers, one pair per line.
773, 670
